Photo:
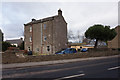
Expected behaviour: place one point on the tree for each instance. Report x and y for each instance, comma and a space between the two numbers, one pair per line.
13, 45
78, 36
100, 32
22, 46
70, 35
5, 45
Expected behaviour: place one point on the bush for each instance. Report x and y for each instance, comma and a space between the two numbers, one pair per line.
113, 49
25, 51
22, 46
118, 49
5, 45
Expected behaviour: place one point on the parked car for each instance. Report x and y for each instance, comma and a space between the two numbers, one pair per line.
29, 52
67, 51
60, 52
84, 49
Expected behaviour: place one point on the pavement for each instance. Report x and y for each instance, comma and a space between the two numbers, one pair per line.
29, 64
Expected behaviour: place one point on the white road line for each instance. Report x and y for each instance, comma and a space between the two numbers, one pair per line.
114, 68
80, 71
70, 76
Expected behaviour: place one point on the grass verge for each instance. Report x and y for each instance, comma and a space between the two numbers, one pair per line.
8, 58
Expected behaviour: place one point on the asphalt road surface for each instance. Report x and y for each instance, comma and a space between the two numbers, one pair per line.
102, 68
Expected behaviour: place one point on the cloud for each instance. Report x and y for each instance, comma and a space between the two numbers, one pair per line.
88, 14
78, 15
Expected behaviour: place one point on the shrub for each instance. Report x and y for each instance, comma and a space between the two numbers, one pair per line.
5, 45
118, 49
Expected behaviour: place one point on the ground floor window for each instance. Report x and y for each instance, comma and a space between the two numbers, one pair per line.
28, 48
37, 49
48, 48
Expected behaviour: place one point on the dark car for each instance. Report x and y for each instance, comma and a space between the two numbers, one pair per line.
29, 52
67, 51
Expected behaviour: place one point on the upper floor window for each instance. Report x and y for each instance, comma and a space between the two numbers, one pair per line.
44, 26
30, 39
45, 38
30, 28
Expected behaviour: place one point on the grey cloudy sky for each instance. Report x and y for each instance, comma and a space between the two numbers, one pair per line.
79, 15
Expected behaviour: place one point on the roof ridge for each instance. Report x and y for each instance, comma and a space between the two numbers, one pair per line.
41, 20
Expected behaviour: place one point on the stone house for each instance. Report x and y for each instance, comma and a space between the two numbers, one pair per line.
115, 43
46, 36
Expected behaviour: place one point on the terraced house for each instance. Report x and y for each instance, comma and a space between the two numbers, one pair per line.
46, 35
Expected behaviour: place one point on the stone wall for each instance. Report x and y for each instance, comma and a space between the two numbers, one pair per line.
60, 33
115, 43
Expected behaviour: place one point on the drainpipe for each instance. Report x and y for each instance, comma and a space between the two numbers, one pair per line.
41, 36
32, 37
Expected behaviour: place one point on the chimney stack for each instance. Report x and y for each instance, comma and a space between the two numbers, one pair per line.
60, 12
33, 19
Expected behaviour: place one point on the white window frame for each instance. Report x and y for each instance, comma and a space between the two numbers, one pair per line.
44, 26
48, 48
30, 39
45, 38
30, 29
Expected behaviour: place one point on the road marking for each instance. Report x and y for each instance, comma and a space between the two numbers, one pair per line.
114, 68
53, 70
80, 71
70, 76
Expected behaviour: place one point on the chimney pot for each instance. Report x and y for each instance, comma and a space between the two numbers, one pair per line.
33, 19
60, 12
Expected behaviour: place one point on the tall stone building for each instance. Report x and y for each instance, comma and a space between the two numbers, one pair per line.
115, 43
46, 35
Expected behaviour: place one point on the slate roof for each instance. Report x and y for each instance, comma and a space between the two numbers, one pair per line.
15, 41
41, 20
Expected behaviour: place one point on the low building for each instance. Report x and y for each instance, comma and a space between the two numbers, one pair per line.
79, 46
115, 43
16, 42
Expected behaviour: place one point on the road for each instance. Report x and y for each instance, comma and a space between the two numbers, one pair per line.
102, 68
